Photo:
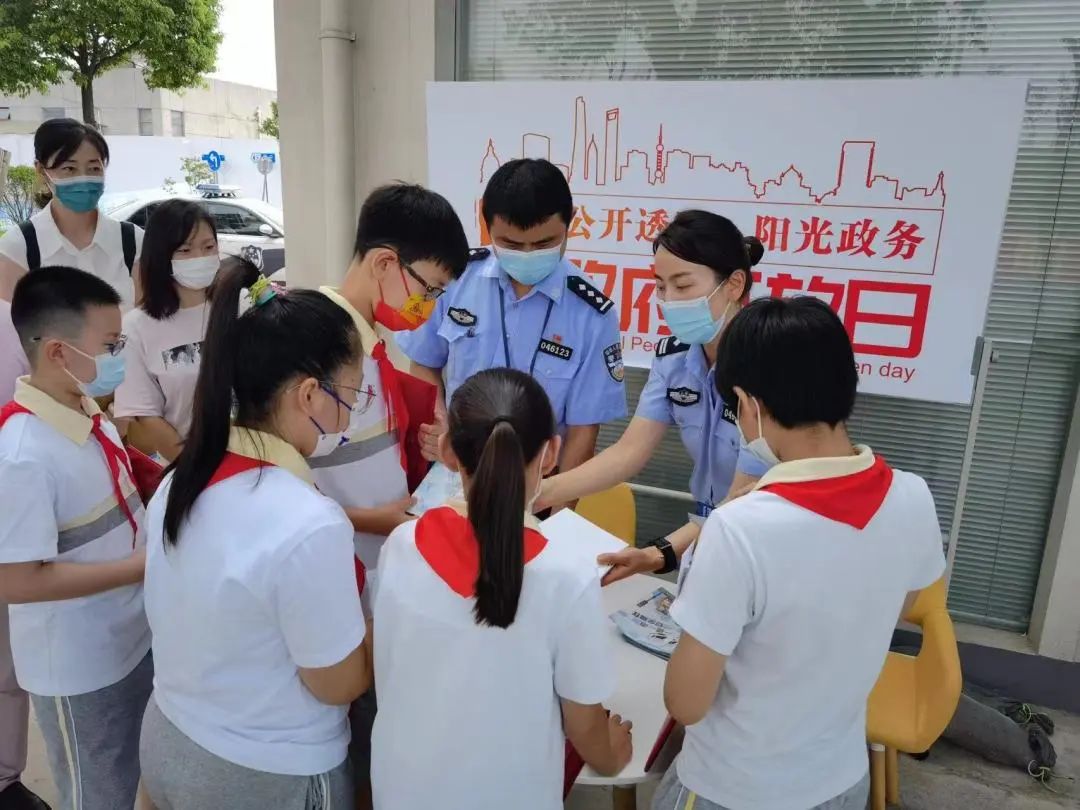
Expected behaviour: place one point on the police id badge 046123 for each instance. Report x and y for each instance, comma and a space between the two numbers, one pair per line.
614, 362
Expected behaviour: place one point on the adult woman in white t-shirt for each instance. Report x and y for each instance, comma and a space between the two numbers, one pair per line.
165, 331
70, 159
250, 585
490, 646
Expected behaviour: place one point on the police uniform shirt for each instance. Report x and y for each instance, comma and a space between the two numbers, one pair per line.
681, 390
564, 332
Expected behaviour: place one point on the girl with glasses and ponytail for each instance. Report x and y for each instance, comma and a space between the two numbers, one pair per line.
251, 593
491, 651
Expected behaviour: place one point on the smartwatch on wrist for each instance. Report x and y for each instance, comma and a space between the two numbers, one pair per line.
670, 561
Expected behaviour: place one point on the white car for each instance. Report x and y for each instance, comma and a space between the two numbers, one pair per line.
245, 226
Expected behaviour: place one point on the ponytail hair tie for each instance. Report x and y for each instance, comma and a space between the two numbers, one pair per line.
261, 291
498, 419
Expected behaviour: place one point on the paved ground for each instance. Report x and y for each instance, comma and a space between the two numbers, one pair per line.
950, 778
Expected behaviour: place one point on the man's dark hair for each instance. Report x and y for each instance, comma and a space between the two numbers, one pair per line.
526, 192
418, 223
169, 228
794, 356
59, 138
53, 301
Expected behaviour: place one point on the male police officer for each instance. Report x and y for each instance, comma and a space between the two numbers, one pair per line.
525, 306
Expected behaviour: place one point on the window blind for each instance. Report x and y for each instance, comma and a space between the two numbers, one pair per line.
1034, 314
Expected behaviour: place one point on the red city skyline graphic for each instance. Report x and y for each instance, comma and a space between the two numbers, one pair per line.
605, 166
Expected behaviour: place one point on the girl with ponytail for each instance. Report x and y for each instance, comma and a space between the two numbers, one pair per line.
250, 587
490, 651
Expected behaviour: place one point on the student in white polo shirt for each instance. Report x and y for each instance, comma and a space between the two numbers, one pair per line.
489, 647
409, 246
789, 602
250, 590
71, 544
71, 159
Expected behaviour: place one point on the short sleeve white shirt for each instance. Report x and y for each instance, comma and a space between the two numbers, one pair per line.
58, 503
260, 583
103, 257
475, 705
162, 365
802, 600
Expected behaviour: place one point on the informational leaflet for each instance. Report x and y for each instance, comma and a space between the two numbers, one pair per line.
570, 533
439, 486
648, 624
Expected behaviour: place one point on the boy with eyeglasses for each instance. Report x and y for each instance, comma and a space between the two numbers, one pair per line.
71, 543
409, 246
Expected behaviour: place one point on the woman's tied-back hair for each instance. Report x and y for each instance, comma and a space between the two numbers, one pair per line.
247, 361
498, 422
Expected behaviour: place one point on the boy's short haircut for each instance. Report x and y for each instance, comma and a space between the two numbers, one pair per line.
418, 223
527, 191
53, 301
794, 356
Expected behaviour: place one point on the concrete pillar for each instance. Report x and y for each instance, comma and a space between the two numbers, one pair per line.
1055, 620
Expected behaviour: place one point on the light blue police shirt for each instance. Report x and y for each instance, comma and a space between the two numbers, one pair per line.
564, 332
681, 390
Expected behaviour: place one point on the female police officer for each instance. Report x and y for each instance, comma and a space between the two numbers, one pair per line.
702, 270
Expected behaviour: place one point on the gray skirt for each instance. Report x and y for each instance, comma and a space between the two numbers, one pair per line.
180, 775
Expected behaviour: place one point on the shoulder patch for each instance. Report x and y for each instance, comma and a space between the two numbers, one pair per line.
589, 294
670, 345
478, 253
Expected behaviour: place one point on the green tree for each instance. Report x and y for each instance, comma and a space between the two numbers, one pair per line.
17, 196
44, 41
195, 171
269, 126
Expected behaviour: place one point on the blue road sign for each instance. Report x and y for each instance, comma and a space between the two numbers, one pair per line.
213, 159
257, 156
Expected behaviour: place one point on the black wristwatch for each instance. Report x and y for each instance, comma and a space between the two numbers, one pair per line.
670, 561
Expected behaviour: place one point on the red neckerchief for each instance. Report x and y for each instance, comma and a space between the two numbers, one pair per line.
234, 464
446, 541
116, 459
851, 499
397, 411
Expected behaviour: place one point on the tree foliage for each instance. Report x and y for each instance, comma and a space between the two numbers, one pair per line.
195, 171
17, 196
42, 42
269, 126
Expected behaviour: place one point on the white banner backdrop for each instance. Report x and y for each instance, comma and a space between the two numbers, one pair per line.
884, 198
142, 163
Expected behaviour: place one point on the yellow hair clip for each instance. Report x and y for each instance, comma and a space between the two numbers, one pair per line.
261, 291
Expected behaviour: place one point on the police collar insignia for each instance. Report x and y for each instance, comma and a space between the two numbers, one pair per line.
614, 362
670, 345
683, 396
589, 294
478, 253
462, 317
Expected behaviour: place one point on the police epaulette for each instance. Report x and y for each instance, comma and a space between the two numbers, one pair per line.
589, 294
476, 254
670, 345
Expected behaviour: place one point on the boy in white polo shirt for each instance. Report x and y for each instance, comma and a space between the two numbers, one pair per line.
788, 605
71, 546
409, 246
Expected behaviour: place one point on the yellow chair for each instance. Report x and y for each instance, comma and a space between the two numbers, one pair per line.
914, 697
613, 510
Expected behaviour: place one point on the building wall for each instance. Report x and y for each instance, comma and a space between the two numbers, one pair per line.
221, 109
393, 59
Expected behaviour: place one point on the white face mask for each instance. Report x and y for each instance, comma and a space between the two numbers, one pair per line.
758, 448
539, 481
196, 274
327, 443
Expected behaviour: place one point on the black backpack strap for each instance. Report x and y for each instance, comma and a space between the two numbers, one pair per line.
33, 252
127, 239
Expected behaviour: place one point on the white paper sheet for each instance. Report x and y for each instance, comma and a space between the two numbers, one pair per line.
572, 534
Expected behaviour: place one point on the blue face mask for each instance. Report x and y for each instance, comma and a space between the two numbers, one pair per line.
529, 267
692, 321
79, 194
109, 374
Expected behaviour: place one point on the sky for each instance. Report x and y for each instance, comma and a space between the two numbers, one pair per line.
246, 54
